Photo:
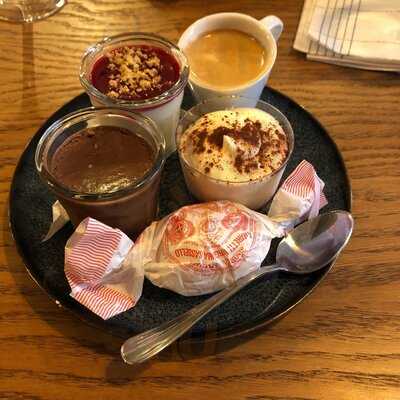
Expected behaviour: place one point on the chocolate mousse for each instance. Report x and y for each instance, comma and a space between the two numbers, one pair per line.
98, 169
135, 72
102, 159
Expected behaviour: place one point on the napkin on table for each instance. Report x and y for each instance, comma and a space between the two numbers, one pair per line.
355, 33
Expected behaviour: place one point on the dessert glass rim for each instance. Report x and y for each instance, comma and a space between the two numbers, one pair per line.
80, 116
289, 135
173, 91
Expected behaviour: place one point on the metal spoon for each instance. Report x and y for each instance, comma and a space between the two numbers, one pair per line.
307, 248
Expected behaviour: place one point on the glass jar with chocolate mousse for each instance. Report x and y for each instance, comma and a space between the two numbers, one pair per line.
236, 154
139, 71
104, 163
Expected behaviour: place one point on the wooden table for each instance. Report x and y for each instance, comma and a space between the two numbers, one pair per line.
343, 342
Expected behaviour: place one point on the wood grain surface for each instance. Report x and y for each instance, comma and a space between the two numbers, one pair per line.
343, 342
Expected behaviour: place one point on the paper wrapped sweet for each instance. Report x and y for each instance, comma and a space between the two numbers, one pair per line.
196, 250
203, 248
100, 269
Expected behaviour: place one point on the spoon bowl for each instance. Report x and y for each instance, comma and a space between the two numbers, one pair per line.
315, 243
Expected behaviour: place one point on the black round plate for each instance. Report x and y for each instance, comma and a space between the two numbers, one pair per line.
260, 303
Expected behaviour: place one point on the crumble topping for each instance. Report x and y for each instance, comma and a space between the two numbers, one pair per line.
133, 71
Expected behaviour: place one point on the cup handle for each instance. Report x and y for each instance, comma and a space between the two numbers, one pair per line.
274, 25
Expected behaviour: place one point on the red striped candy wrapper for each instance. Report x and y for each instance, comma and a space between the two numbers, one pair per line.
300, 197
195, 250
99, 269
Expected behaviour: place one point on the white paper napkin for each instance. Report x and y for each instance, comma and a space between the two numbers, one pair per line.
355, 33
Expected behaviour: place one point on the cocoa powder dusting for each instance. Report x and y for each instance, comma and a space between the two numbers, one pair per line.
239, 162
270, 142
216, 138
199, 140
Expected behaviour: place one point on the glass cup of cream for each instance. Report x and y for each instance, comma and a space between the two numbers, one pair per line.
236, 153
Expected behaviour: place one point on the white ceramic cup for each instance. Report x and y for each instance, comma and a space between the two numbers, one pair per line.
266, 31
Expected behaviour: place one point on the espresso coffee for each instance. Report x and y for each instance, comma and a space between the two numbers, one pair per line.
226, 58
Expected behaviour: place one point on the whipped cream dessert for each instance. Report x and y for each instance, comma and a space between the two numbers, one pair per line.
237, 154
238, 145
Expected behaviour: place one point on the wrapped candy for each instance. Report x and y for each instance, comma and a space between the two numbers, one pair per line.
203, 248
195, 250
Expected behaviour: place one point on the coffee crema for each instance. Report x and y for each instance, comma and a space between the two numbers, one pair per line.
226, 58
